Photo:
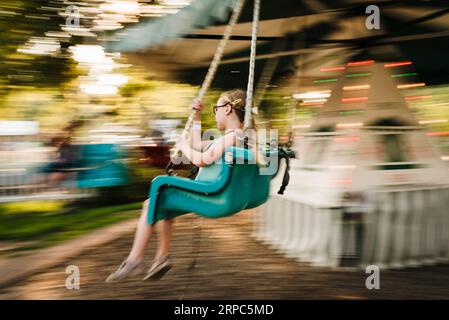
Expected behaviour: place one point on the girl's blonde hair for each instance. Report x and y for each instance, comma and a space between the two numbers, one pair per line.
237, 99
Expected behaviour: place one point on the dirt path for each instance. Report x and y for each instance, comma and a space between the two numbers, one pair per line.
232, 265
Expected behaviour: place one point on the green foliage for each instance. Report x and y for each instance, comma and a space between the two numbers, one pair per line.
38, 226
20, 21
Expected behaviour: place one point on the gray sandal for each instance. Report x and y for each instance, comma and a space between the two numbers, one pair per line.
159, 268
127, 268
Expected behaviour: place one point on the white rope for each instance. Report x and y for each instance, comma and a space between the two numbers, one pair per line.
175, 152
215, 63
252, 62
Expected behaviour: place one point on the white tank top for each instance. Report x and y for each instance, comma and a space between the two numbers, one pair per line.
208, 175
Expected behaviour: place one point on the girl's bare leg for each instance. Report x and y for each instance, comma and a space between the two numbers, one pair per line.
165, 234
142, 236
162, 261
134, 262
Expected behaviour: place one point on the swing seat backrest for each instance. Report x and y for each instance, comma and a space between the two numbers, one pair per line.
260, 190
262, 179
220, 190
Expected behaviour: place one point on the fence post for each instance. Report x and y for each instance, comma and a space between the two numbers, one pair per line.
402, 209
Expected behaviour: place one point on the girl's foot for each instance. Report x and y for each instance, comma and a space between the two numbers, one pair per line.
127, 268
159, 268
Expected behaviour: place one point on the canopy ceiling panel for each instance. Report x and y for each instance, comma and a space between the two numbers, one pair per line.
312, 33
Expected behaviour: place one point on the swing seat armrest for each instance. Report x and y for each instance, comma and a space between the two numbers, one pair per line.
208, 187
192, 185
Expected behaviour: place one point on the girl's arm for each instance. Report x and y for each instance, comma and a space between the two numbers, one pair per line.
195, 131
195, 139
214, 153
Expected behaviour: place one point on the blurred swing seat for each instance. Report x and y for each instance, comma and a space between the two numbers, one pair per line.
99, 166
221, 189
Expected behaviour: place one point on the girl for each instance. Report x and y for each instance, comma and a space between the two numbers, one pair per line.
229, 115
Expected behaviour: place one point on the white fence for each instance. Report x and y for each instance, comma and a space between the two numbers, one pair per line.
21, 185
393, 229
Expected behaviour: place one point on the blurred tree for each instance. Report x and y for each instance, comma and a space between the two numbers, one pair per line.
20, 22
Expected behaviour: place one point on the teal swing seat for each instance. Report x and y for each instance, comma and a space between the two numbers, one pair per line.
220, 190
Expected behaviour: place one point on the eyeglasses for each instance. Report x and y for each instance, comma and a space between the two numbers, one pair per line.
214, 109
